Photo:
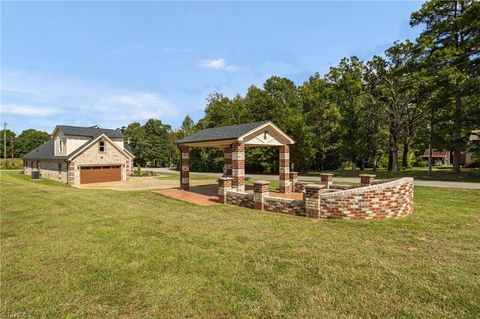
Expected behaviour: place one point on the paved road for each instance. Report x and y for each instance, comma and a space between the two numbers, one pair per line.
336, 179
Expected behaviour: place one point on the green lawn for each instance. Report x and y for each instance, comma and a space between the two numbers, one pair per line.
70, 253
438, 173
176, 176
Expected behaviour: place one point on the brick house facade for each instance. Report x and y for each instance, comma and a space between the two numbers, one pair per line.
79, 155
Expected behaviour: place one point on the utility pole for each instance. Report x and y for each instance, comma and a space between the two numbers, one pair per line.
11, 145
5, 141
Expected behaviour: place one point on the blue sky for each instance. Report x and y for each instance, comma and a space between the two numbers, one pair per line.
105, 63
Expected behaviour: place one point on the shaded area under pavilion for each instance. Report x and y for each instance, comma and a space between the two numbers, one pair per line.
234, 140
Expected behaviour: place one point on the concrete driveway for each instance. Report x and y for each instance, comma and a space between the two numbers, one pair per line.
143, 183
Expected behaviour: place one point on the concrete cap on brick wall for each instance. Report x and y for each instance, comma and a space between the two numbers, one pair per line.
261, 182
367, 175
326, 174
315, 186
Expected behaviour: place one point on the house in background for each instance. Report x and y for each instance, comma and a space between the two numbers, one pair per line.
439, 158
474, 142
444, 158
81, 155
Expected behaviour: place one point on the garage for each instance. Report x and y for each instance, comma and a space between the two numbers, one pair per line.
100, 174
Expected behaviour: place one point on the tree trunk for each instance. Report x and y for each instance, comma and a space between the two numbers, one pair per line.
457, 135
393, 154
354, 166
405, 155
456, 161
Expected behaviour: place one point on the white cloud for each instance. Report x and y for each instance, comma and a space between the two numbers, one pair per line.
25, 98
218, 64
133, 105
28, 110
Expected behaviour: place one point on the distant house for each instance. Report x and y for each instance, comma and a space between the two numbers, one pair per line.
80, 155
441, 158
438, 158
474, 139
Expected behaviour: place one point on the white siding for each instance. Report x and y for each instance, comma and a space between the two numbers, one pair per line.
267, 136
60, 144
74, 142
118, 142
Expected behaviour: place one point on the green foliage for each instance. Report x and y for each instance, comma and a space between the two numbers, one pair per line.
29, 140
152, 143
451, 42
17, 163
139, 171
10, 135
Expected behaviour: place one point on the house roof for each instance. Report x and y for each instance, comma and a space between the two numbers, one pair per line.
435, 154
92, 131
47, 150
232, 132
44, 151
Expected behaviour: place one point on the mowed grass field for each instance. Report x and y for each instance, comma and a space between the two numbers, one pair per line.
71, 253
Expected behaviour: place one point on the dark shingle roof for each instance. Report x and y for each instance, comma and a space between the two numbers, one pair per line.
221, 133
44, 151
92, 131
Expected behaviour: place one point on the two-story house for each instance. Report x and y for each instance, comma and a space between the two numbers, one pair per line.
81, 155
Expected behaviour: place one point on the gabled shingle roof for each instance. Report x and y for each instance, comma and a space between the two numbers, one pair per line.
92, 131
46, 150
221, 133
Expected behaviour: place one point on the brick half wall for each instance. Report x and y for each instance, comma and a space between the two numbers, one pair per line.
380, 201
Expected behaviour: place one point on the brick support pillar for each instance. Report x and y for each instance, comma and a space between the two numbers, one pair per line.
224, 185
293, 180
260, 190
127, 169
311, 200
227, 154
284, 169
238, 166
185, 169
71, 173
326, 179
367, 179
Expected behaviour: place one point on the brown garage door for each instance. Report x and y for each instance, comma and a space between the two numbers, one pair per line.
99, 174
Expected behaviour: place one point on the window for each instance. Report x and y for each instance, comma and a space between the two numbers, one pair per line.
101, 146
60, 146
38, 164
265, 135
59, 168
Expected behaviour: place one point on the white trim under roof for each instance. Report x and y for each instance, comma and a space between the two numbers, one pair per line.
267, 134
89, 144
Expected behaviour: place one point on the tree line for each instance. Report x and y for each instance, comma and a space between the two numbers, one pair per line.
26, 141
369, 113
359, 114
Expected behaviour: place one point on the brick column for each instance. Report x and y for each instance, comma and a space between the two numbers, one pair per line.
367, 179
327, 179
224, 185
227, 154
293, 180
71, 173
311, 200
284, 169
185, 169
127, 169
260, 190
238, 166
